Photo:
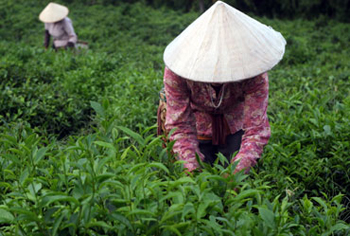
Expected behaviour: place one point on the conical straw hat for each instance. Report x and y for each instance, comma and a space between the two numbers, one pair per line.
53, 12
224, 45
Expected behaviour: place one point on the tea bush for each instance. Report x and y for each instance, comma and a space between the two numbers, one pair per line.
113, 68
91, 185
79, 155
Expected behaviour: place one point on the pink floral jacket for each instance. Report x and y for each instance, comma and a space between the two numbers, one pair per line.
244, 105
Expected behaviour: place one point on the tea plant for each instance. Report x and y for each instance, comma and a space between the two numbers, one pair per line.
79, 155
92, 185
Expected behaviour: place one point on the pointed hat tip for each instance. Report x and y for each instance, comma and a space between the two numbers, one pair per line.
219, 3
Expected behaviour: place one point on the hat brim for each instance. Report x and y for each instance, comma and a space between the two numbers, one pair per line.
224, 45
53, 12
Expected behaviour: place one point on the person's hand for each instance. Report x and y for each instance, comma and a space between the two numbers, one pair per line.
244, 163
191, 172
225, 175
70, 45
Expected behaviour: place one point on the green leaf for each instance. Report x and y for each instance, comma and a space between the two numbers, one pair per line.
34, 188
121, 219
5, 185
181, 181
337, 227
244, 195
125, 153
173, 229
327, 130
176, 196
101, 224
40, 155
212, 224
140, 212
5, 216
98, 108
103, 177
105, 144
307, 204
136, 168
188, 208
24, 214
57, 224
101, 163
174, 209
338, 198
138, 138
268, 217
9, 139
201, 211
24, 176
47, 200
321, 202
158, 165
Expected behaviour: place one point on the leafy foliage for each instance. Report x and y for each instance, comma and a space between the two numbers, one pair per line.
92, 185
79, 155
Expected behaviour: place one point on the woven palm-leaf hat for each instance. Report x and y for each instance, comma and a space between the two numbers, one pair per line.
224, 45
53, 12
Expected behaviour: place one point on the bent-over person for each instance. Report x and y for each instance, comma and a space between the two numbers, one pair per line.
216, 87
59, 26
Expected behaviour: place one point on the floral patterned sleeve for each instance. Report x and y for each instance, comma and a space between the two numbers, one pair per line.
180, 116
255, 124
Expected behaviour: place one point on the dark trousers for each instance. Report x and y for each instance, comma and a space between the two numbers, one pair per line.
210, 151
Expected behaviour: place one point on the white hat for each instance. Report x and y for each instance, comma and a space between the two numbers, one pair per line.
53, 12
224, 45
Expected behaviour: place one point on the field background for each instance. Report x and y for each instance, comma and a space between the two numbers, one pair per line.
78, 150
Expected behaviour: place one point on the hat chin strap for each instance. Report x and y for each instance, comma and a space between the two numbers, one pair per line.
216, 106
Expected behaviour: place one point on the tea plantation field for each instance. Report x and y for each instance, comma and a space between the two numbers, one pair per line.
79, 153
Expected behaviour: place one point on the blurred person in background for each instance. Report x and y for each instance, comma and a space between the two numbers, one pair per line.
216, 87
59, 26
